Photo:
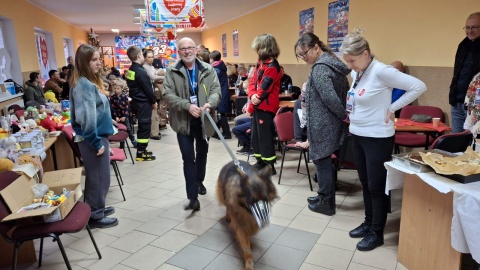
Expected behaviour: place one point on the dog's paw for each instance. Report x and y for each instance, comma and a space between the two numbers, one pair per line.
249, 265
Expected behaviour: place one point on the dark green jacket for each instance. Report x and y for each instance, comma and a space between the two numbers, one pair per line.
176, 91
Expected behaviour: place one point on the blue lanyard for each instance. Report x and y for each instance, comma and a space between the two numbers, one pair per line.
193, 79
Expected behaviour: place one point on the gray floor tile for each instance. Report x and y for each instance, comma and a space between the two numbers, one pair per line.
297, 239
259, 248
223, 260
215, 240
270, 234
193, 257
282, 257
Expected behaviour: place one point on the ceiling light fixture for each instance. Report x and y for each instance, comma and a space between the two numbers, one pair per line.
115, 30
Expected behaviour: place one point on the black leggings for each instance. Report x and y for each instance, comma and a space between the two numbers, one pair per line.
370, 155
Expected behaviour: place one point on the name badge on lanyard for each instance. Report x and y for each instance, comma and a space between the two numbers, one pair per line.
350, 101
193, 85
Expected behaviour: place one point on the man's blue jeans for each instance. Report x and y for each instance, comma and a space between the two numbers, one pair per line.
459, 114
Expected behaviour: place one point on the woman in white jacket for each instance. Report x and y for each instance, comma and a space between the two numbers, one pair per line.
371, 116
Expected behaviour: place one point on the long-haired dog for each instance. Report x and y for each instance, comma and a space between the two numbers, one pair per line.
245, 194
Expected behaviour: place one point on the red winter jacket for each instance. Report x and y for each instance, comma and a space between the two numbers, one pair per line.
266, 84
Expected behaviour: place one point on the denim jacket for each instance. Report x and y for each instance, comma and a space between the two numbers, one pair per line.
90, 113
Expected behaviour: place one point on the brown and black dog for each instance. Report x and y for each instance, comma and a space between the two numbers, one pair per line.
238, 190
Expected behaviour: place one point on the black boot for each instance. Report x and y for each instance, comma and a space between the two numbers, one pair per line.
259, 165
194, 205
322, 207
313, 199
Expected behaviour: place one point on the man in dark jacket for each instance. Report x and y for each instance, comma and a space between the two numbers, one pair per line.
225, 105
143, 100
467, 64
33, 90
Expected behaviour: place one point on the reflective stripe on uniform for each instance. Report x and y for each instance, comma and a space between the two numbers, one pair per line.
142, 140
269, 158
130, 75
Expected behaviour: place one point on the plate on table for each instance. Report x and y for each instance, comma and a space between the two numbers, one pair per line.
55, 133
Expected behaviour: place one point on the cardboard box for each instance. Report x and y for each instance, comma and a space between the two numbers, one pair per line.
10, 87
20, 194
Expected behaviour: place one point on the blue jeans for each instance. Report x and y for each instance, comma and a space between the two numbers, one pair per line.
459, 114
194, 157
240, 130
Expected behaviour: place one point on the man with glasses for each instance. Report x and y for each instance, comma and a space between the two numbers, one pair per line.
467, 64
190, 87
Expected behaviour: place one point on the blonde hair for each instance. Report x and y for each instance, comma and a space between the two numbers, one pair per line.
266, 47
355, 44
118, 82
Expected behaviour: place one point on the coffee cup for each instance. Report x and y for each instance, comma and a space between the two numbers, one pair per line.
435, 122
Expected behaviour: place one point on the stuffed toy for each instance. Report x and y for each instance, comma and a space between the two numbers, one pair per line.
49, 123
50, 95
6, 164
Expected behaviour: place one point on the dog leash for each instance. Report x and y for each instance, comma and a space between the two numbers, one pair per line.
220, 135
260, 209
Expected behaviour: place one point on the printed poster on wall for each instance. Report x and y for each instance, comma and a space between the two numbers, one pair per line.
337, 24
42, 53
162, 47
224, 45
184, 13
235, 43
306, 21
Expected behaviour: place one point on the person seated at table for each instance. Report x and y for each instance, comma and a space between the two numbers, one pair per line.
119, 107
33, 90
300, 124
232, 74
397, 93
285, 81
242, 76
54, 83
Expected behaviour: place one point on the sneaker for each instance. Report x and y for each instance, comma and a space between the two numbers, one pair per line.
194, 205
249, 154
145, 156
360, 231
322, 207
245, 149
370, 242
102, 223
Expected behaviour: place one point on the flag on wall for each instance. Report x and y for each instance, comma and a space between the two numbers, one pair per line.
337, 24
306, 21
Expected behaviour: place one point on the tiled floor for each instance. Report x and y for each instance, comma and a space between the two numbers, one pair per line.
156, 233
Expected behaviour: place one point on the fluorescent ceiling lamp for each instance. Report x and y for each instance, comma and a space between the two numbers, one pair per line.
180, 30
115, 30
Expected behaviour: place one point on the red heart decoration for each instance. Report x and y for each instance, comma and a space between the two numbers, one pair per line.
44, 52
195, 21
170, 35
174, 6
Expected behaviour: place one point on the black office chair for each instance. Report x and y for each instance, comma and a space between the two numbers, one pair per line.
454, 142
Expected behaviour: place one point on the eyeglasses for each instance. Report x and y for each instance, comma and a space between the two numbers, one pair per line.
184, 50
473, 28
303, 55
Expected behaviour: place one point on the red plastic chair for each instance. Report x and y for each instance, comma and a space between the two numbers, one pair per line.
118, 155
409, 139
75, 221
121, 137
284, 125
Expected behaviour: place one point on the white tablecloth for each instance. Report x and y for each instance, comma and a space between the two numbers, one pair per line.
465, 231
